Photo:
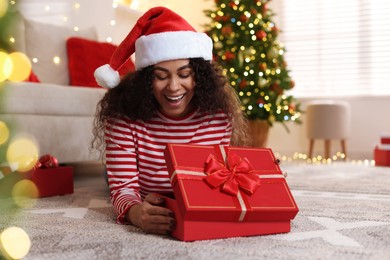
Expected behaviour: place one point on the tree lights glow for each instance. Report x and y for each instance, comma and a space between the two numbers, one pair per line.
246, 44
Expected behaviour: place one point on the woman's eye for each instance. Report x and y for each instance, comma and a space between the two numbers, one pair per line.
160, 77
185, 74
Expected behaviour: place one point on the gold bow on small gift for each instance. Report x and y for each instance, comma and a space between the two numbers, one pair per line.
236, 174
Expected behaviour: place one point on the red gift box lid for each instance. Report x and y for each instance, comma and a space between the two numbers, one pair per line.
198, 200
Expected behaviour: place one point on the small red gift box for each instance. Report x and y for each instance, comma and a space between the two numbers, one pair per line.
53, 181
225, 191
382, 155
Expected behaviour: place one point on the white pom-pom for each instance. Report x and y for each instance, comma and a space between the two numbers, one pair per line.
106, 76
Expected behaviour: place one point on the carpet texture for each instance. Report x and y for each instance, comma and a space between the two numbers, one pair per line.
344, 214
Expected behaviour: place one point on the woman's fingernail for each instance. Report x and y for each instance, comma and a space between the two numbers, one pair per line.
172, 225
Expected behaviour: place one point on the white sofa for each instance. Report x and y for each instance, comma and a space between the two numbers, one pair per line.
55, 113
58, 117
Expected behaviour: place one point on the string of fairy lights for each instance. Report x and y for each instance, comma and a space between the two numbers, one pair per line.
303, 158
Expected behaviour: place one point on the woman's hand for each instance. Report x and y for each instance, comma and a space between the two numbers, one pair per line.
151, 217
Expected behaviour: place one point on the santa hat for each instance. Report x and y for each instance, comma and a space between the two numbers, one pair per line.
159, 35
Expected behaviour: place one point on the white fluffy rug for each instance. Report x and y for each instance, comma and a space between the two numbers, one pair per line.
344, 214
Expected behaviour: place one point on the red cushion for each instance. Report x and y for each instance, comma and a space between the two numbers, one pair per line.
85, 56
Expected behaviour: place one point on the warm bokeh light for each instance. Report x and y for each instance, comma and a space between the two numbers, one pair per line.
5, 170
126, 2
14, 243
4, 133
5, 66
3, 7
56, 60
23, 152
21, 67
24, 192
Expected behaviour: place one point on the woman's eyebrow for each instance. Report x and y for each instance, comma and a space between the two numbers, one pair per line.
188, 66
160, 68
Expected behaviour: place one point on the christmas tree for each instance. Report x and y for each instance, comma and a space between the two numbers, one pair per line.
246, 45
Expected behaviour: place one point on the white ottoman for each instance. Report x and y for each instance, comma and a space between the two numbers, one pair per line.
328, 120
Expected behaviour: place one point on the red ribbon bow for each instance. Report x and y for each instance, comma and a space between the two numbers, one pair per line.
46, 161
236, 175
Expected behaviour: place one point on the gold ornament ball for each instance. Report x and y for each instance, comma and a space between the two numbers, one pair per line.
273, 53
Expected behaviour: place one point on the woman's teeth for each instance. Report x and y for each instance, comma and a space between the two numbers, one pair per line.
174, 98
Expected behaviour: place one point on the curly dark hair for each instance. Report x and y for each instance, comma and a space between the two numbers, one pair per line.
133, 98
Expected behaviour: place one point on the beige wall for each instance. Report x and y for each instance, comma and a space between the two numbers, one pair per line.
191, 10
369, 114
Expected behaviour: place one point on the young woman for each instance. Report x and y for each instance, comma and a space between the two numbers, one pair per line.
176, 95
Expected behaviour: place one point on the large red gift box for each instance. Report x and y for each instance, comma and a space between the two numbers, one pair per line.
53, 181
223, 191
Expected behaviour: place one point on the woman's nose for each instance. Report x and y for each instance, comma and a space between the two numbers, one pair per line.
174, 83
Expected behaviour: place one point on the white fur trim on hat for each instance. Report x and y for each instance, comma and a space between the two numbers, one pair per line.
154, 48
106, 76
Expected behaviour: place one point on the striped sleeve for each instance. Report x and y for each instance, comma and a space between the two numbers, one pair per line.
122, 170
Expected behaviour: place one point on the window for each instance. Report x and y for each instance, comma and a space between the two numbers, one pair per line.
336, 47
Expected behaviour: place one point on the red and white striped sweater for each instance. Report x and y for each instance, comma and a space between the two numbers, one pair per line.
135, 152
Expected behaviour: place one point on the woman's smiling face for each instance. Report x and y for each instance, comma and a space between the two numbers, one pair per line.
173, 86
